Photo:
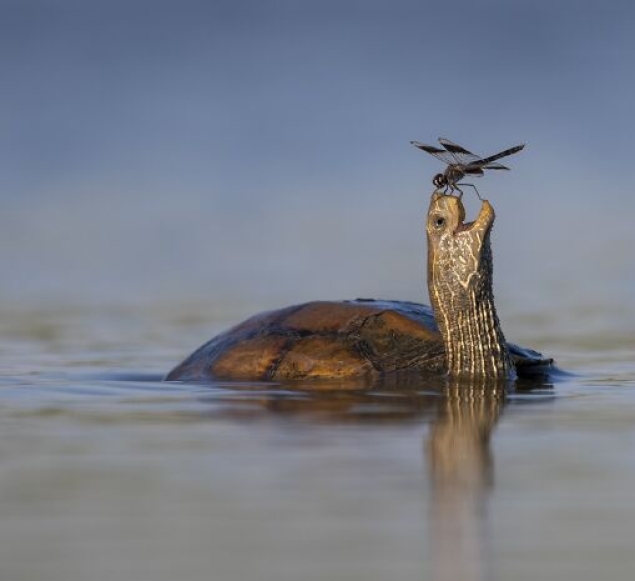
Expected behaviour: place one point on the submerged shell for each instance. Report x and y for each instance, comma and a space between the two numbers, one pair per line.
334, 340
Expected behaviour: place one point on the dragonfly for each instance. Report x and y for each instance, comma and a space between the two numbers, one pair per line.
462, 162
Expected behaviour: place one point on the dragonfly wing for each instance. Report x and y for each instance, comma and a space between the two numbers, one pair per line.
494, 166
491, 158
461, 155
473, 170
445, 156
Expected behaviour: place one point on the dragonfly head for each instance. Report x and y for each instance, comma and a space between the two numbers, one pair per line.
439, 181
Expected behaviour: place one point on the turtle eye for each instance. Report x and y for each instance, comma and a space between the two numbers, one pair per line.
439, 222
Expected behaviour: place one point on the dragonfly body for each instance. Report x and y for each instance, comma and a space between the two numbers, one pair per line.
461, 162
449, 178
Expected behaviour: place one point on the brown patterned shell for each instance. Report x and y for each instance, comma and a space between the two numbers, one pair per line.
329, 340
334, 340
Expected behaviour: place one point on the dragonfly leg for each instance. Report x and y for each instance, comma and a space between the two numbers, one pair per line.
473, 186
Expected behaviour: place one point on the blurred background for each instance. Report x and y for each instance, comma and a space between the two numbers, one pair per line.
167, 168
251, 154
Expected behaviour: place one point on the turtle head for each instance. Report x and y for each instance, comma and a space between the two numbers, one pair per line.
455, 248
460, 286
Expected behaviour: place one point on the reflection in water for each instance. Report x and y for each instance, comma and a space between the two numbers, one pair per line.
462, 417
461, 474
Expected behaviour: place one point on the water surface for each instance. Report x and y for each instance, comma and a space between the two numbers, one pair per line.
109, 473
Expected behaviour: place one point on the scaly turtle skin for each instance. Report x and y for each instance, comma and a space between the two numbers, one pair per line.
368, 338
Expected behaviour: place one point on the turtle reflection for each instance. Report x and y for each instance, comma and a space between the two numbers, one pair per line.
461, 472
461, 415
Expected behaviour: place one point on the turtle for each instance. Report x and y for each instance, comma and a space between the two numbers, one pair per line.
459, 335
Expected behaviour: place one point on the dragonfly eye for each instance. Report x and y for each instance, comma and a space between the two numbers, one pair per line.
439, 180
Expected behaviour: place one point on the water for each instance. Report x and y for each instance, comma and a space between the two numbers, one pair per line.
108, 473
256, 155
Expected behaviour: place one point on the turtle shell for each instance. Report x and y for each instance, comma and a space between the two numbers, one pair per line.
329, 340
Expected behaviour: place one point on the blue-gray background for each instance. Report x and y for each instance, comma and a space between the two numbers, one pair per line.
256, 152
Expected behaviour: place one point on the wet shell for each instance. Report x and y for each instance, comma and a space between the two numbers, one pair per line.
334, 340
